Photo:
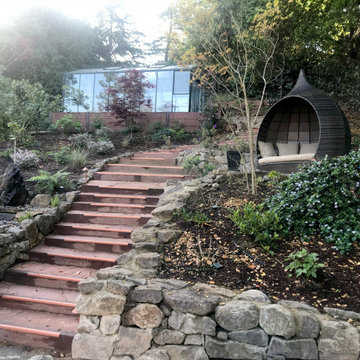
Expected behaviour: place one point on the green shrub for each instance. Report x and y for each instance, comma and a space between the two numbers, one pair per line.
262, 225
55, 201
63, 156
159, 132
101, 147
196, 217
97, 124
6, 153
68, 124
25, 216
304, 263
25, 159
81, 141
324, 198
130, 129
105, 133
78, 159
49, 184
196, 166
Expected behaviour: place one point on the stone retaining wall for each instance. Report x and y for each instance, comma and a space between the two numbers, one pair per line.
128, 318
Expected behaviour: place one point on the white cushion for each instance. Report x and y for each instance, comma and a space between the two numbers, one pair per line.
288, 149
287, 158
308, 148
266, 149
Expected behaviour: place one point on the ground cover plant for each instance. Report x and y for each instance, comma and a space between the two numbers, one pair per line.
277, 241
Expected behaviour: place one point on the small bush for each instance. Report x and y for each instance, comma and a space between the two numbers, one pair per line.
304, 263
55, 201
105, 133
263, 226
195, 166
25, 159
63, 156
97, 124
25, 216
49, 184
78, 159
81, 141
68, 124
101, 147
130, 129
197, 217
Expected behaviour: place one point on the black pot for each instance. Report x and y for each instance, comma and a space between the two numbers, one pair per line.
233, 159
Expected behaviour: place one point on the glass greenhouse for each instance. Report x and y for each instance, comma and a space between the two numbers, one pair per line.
172, 91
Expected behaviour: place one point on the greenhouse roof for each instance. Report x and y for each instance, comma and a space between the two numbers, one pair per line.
121, 69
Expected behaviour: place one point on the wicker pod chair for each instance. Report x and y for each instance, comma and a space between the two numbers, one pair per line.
306, 124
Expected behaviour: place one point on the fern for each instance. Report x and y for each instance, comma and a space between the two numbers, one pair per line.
49, 184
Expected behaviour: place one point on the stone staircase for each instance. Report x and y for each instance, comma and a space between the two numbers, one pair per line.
37, 297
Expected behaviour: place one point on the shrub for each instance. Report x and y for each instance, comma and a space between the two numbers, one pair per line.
196, 217
323, 198
101, 147
130, 129
196, 166
68, 124
63, 156
97, 124
81, 141
263, 226
78, 159
49, 184
304, 263
159, 132
105, 133
25, 159
55, 201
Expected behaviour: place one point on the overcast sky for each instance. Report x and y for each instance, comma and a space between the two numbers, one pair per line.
145, 14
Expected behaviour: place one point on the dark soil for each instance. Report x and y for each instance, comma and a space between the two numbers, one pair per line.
246, 265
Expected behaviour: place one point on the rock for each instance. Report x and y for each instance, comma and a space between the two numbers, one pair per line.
237, 315
124, 258
277, 320
338, 340
7, 238
302, 349
297, 305
31, 230
100, 303
41, 200
119, 286
121, 358
222, 335
110, 324
215, 290
71, 196
253, 295
194, 340
145, 316
89, 285
191, 301
45, 223
166, 212
114, 272
178, 352
192, 324
168, 284
92, 347
342, 314
148, 260
146, 294
168, 235
12, 188
154, 354
307, 325
38, 357
232, 350
146, 246
256, 337
132, 341
165, 337
143, 235
17, 231
88, 324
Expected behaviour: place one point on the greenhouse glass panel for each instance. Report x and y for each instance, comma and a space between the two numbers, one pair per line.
164, 91
182, 82
181, 103
72, 82
87, 86
150, 93
101, 98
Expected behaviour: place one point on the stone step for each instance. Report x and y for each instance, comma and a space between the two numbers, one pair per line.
124, 188
37, 298
148, 160
88, 243
87, 217
48, 275
117, 199
105, 231
72, 257
113, 208
145, 169
37, 329
139, 177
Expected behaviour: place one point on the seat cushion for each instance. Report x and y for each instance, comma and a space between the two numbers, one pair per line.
287, 158
291, 148
266, 149
308, 148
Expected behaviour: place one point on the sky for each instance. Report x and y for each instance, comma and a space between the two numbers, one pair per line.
145, 14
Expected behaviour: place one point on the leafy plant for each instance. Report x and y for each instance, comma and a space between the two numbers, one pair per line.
160, 133
68, 124
101, 147
49, 184
323, 198
262, 225
78, 159
130, 129
196, 165
304, 263
25, 159
6, 153
275, 177
196, 217
104, 133
63, 156
55, 201
25, 216
81, 141
97, 124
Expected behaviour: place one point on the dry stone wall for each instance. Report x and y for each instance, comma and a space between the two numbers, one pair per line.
127, 318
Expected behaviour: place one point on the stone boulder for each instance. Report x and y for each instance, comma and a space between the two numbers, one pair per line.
167, 336
302, 349
12, 187
178, 352
132, 341
145, 316
154, 354
41, 200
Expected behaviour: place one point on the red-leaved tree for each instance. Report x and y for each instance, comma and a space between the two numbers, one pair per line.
127, 97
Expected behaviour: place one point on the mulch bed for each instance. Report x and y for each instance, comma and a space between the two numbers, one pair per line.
245, 265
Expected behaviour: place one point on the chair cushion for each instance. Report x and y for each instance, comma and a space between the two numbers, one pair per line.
291, 148
287, 158
266, 149
308, 148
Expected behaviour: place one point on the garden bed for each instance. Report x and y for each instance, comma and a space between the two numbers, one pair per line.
214, 252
